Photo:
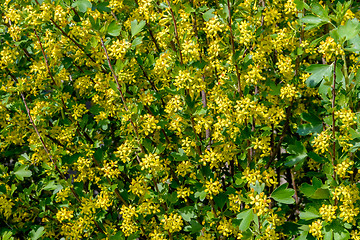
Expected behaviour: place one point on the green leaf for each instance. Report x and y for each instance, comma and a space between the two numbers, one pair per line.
208, 14
257, 187
118, 236
298, 152
303, 235
113, 85
350, 30
307, 189
83, 5
247, 217
300, 5
114, 29
309, 214
315, 191
187, 213
320, 11
220, 200
306, 129
319, 72
136, 41
51, 185
22, 172
37, 234
179, 156
312, 22
194, 227
136, 27
201, 195
7, 235
283, 194
338, 230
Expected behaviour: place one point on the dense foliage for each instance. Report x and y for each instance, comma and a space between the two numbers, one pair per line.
160, 119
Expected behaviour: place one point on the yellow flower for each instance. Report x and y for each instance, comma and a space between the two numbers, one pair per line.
260, 203
330, 49
328, 212
315, 229
172, 223
5, 206
212, 188
64, 214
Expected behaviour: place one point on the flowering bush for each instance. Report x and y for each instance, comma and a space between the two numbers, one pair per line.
160, 119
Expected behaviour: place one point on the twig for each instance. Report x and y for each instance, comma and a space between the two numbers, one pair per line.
233, 50
333, 119
121, 94
176, 32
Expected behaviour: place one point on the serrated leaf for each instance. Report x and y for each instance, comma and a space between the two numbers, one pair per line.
114, 29
136, 27
37, 234
247, 217
187, 213
309, 214
201, 195
298, 152
83, 5
283, 194
208, 14
350, 30
300, 5
22, 172
319, 72
259, 188
136, 41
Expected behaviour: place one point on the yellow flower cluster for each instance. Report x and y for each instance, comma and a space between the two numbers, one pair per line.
183, 168
328, 212
259, 202
128, 225
172, 222
321, 142
212, 188
174, 105
315, 229
139, 186
267, 176
347, 118
124, 151
148, 124
110, 169
235, 202
342, 168
5, 206
118, 49
184, 192
263, 144
78, 111
64, 214
226, 228
347, 195
330, 49
288, 92
152, 163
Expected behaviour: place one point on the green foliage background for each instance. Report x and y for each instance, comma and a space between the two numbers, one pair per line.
178, 119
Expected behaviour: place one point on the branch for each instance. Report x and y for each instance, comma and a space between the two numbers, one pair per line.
121, 93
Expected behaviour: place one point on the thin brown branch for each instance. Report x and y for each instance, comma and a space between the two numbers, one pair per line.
121, 93
53, 161
176, 32
233, 50
46, 60
333, 118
